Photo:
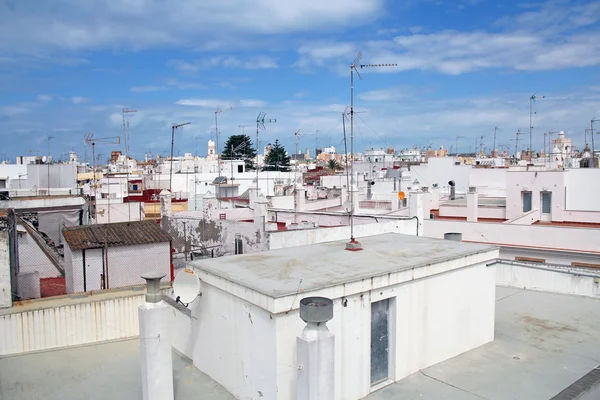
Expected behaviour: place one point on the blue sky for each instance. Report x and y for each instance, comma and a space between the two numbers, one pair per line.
68, 67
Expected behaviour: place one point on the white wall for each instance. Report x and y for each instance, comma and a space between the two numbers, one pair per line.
490, 182
539, 236
118, 212
440, 170
125, 265
48, 324
583, 189
535, 181
5, 288
461, 301
234, 343
293, 238
548, 279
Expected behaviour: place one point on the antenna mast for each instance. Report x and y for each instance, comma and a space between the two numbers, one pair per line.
456, 147
260, 124
353, 245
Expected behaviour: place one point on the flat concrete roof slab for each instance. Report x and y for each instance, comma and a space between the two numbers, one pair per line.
277, 273
96, 372
544, 343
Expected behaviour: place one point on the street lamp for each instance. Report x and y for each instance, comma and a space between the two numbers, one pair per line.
173, 127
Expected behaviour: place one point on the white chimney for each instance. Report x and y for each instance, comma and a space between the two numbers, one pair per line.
472, 204
155, 347
166, 209
315, 351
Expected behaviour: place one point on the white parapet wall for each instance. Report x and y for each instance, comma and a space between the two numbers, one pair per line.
301, 237
69, 321
548, 278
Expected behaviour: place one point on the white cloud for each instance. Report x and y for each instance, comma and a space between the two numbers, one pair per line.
13, 110
80, 100
253, 103
254, 62
146, 89
205, 103
44, 97
139, 24
549, 38
384, 95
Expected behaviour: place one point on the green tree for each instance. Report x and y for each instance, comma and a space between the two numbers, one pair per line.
333, 165
239, 147
277, 158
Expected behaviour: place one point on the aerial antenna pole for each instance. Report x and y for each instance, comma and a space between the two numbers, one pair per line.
173, 127
219, 111
353, 245
532, 100
260, 124
48, 161
481, 143
496, 129
593, 148
456, 147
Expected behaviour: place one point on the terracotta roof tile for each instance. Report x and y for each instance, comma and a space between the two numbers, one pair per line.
114, 234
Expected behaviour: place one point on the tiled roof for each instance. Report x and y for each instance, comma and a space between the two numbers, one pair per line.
115, 234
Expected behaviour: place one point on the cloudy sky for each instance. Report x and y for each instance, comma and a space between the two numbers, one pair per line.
463, 67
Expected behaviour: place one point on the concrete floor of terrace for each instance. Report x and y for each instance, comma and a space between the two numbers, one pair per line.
544, 343
96, 372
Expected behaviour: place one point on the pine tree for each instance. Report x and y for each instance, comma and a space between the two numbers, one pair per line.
277, 158
242, 149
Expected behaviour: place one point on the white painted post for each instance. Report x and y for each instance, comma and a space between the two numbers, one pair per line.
155, 347
300, 199
315, 349
166, 209
415, 207
210, 210
5, 287
472, 204
395, 200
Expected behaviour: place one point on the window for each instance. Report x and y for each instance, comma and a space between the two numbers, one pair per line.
240, 168
526, 201
2, 183
546, 202
134, 187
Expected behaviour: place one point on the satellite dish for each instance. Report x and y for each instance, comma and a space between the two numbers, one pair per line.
347, 206
186, 286
43, 158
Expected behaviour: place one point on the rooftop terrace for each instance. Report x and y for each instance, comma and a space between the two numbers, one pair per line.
544, 343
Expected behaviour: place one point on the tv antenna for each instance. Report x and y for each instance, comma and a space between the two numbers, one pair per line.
496, 129
173, 127
353, 245
260, 125
89, 139
481, 143
456, 143
217, 112
532, 112
125, 127
517, 141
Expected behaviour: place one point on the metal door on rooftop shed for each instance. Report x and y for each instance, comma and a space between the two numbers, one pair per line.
380, 341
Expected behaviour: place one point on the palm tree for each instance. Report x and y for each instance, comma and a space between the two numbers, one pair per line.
333, 165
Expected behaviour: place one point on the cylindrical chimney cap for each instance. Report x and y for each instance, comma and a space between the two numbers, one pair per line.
454, 236
153, 294
316, 309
